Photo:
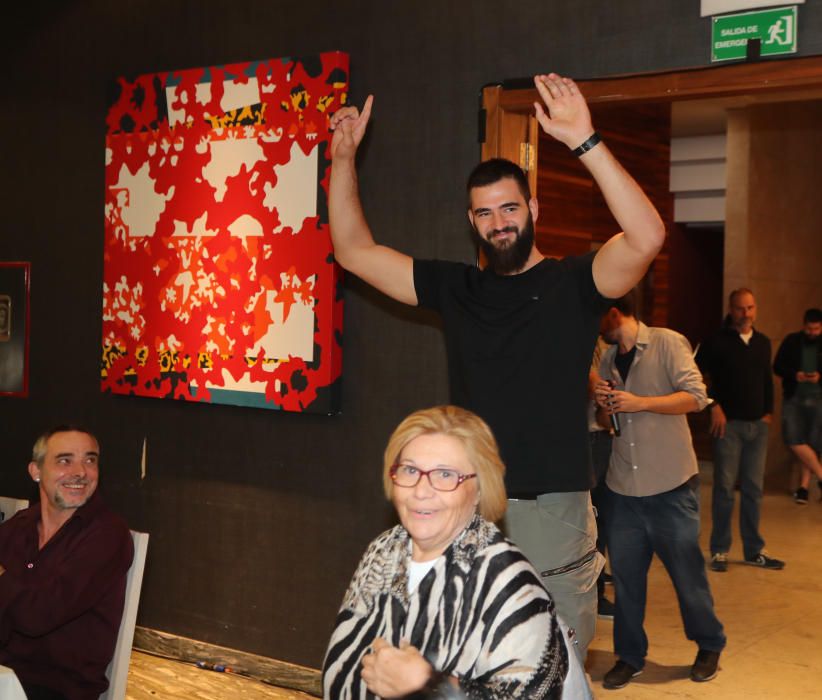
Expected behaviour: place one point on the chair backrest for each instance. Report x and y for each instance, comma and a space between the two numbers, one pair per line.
9, 506
117, 672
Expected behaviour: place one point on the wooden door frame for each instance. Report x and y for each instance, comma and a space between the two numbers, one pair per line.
511, 131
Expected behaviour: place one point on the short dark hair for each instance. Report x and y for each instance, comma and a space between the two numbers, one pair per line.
495, 169
738, 293
812, 316
38, 452
626, 305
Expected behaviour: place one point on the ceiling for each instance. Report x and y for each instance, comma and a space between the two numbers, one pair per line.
703, 117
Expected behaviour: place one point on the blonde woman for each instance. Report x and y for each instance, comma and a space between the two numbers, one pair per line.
443, 604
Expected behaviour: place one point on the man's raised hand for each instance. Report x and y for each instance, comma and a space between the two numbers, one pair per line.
348, 125
567, 118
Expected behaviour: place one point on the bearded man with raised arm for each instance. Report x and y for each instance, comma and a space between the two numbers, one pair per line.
519, 333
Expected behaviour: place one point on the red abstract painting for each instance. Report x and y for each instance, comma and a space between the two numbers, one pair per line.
219, 281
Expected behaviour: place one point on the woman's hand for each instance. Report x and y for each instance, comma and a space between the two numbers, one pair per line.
392, 672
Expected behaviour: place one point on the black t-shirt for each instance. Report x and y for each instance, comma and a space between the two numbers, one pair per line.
623, 362
519, 348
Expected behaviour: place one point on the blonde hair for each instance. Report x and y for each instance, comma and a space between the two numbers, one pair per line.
477, 440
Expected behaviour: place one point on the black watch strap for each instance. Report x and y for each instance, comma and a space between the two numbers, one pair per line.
587, 145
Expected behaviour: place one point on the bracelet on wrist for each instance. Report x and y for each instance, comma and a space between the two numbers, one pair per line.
439, 687
587, 145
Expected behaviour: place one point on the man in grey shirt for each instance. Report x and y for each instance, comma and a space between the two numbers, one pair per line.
651, 381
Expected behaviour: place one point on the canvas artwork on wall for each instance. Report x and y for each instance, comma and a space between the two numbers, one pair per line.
14, 328
219, 281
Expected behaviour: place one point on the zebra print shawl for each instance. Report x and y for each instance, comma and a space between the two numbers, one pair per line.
480, 614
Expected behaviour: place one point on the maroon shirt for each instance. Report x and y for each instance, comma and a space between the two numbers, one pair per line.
60, 607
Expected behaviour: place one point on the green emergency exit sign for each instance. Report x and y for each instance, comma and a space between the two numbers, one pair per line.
775, 29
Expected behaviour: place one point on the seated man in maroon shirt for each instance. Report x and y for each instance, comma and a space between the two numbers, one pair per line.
63, 565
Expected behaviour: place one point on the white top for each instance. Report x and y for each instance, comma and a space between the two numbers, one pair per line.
10, 688
417, 571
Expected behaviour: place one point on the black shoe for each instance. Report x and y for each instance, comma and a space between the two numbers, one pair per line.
608, 580
605, 609
620, 675
705, 665
800, 496
765, 562
719, 561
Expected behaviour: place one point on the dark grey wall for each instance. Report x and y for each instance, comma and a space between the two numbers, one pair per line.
257, 518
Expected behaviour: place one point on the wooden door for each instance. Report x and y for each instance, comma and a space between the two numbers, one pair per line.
632, 113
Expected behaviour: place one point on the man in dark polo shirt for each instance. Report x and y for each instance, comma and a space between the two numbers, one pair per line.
63, 565
737, 364
519, 334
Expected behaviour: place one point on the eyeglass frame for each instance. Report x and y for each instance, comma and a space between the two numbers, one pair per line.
392, 472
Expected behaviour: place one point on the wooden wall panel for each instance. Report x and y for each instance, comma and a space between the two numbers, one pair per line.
574, 217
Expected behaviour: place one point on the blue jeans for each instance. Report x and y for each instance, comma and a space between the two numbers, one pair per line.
666, 524
739, 456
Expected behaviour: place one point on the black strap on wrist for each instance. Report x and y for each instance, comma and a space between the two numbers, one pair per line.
587, 145
439, 687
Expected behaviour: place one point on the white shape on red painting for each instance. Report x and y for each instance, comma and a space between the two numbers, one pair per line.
141, 209
227, 157
235, 95
295, 194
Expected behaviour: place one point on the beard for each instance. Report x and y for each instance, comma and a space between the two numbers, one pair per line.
512, 256
64, 504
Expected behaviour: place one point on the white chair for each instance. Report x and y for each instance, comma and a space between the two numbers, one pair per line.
117, 671
9, 506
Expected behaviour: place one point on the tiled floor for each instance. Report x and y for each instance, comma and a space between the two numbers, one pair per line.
773, 620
